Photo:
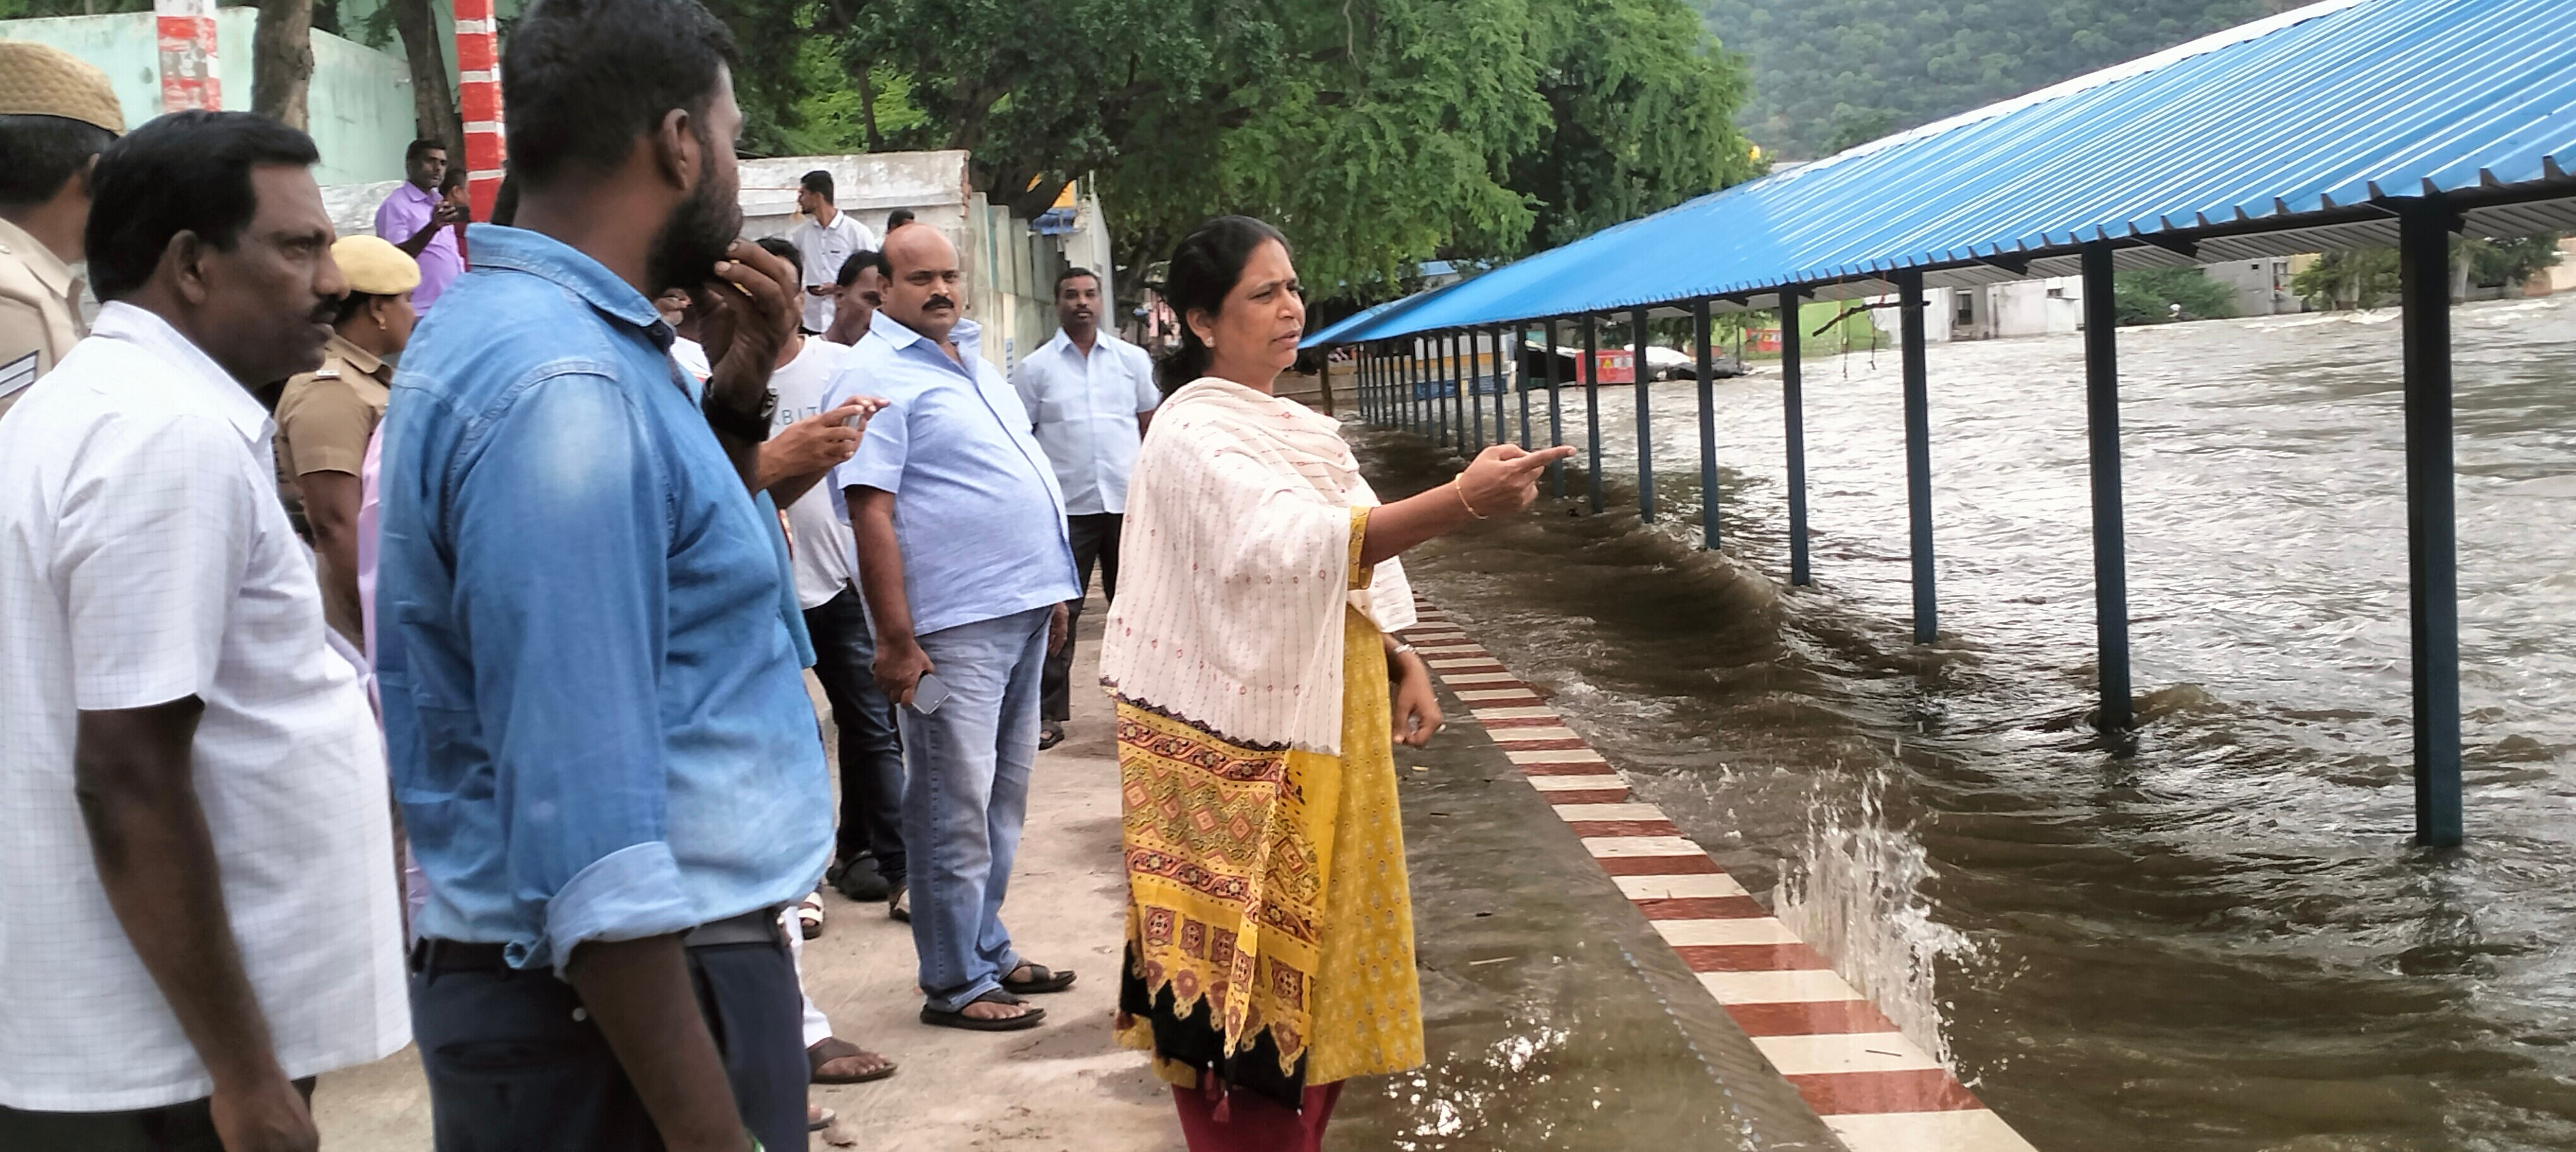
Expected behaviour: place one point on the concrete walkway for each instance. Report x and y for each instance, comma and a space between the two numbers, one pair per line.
1556, 1017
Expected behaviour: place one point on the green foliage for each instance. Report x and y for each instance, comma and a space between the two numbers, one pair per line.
2355, 278
2148, 296
2369, 277
1828, 74
2505, 263
1376, 133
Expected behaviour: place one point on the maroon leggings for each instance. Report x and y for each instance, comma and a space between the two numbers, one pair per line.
1254, 1123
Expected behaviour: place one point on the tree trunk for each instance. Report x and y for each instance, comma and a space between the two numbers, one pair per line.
281, 54
867, 84
433, 104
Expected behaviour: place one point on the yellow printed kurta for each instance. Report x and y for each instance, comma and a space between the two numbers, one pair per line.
1271, 883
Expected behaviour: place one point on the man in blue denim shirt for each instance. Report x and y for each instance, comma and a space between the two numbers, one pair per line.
600, 737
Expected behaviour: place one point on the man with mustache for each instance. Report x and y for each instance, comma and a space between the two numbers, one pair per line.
1092, 396
196, 881
965, 567
607, 761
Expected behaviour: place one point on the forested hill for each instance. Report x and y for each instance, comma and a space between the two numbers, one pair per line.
1828, 74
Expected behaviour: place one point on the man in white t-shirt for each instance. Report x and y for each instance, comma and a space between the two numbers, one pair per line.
196, 872
1091, 396
825, 241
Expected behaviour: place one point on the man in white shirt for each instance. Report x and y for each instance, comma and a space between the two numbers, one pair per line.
196, 884
1092, 396
827, 239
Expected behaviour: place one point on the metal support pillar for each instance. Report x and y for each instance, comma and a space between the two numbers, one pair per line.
1591, 369
1502, 388
1645, 407
1555, 416
2110, 536
1467, 395
1458, 392
1324, 379
1918, 451
1520, 379
1707, 428
1453, 430
1410, 390
1793, 416
2424, 228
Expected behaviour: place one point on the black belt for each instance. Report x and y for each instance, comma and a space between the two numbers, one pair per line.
756, 927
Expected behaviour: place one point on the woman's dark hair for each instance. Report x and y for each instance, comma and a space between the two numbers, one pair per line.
1204, 270
586, 77
184, 172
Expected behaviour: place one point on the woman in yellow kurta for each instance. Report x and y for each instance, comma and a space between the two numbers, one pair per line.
1260, 693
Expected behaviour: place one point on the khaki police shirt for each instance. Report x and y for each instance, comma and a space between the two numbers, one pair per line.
39, 311
324, 418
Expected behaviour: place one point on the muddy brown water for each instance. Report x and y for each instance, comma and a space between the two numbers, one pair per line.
2215, 936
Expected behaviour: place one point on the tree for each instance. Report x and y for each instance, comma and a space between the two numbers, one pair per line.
1376, 132
281, 60
433, 103
1827, 74
2164, 295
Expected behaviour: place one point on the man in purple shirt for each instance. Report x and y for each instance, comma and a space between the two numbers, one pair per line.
419, 221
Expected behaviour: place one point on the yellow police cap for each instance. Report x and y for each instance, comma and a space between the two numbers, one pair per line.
374, 266
42, 80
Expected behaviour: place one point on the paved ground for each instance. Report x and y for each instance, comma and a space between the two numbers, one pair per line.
1556, 1016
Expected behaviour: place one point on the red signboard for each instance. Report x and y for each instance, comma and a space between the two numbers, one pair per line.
185, 30
1614, 366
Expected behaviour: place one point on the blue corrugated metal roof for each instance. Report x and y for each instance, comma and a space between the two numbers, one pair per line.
1332, 333
2313, 110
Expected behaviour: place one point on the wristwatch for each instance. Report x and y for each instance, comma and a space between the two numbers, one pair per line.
741, 425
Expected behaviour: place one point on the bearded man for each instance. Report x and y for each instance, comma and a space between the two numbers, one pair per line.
599, 731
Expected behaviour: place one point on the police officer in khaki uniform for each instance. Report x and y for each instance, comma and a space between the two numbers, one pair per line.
57, 113
324, 417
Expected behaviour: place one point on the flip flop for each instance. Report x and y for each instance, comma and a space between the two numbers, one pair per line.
1045, 980
832, 1048
899, 905
818, 1118
959, 1018
809, 916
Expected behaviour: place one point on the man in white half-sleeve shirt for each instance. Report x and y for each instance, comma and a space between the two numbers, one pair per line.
197, 908
826, 240
1092, 396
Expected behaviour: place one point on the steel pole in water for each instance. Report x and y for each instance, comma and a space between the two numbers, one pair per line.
2424, 228
1555, 416
1707, 428
1793, 416
2110, 536
1918, 450
1520, 379
1645, 436
1591, 369
1467, 394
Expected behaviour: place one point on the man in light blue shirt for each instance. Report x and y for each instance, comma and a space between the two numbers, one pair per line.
1092, 396
599, 733
965, 566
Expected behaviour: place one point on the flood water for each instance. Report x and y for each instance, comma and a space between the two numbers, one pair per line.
2217, 937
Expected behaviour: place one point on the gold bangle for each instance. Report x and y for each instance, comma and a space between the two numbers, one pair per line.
1461, 490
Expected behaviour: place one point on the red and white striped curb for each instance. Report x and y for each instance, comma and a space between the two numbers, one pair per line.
1877, 1090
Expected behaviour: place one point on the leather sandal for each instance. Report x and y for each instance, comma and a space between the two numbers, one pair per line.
1041, 981
959, 1019
832, 1048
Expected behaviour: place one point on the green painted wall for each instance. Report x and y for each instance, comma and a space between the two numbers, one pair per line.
359, 105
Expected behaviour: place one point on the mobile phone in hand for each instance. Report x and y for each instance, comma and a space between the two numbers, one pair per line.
928, 694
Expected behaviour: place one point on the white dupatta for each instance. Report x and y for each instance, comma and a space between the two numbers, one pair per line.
1234, 567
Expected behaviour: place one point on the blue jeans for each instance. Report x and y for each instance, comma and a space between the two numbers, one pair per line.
966, 793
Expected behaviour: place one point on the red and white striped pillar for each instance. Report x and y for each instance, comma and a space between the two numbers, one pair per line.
186, 31
478, 66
